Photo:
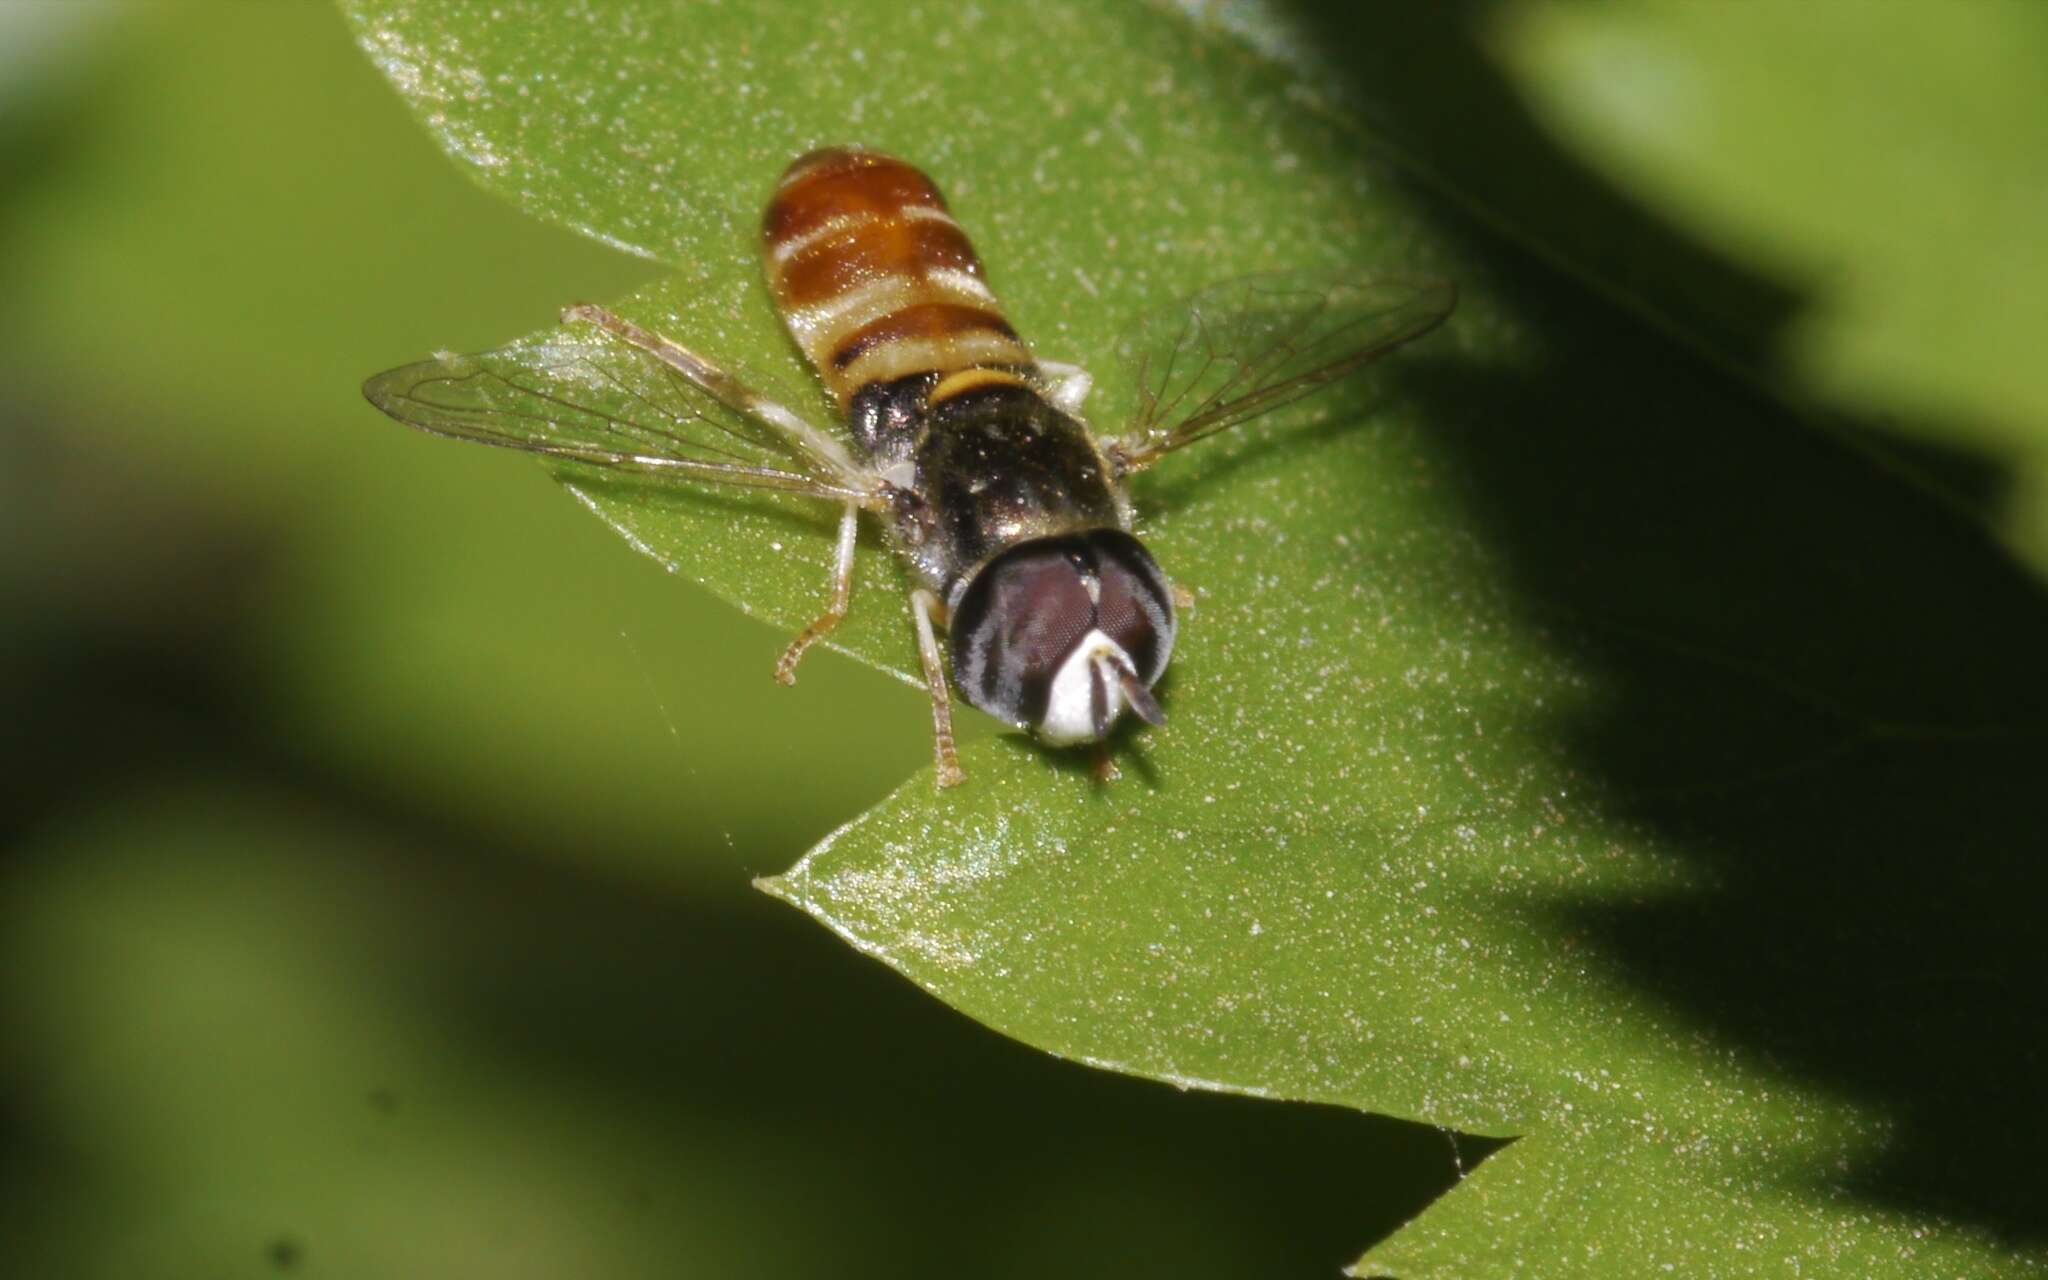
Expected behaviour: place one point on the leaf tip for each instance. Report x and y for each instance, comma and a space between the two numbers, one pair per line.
778, 887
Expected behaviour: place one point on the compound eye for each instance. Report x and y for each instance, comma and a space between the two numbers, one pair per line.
1019, 620
1135, 605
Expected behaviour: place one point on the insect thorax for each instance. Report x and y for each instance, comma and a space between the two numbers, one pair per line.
986, 471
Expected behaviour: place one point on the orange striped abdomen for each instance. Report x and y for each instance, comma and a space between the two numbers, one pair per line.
874, 278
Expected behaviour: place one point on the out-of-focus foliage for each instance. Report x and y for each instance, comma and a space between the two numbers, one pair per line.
1502, 708
1833, 199
1885, 160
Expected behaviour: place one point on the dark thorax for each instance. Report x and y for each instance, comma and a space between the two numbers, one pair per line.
980, 472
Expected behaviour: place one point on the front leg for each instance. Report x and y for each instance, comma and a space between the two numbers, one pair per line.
923, 604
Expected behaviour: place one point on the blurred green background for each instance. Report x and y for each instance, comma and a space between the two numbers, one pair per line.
374, 898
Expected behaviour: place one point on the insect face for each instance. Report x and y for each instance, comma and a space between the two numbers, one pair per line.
1064, 634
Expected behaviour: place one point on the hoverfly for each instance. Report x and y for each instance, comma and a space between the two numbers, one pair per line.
1012, 517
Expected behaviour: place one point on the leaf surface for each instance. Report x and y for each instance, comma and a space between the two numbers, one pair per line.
1563, 742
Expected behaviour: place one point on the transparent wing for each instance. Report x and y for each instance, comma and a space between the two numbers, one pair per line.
607, 393
1247, 346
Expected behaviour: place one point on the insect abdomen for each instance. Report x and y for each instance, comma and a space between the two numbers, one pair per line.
874, 278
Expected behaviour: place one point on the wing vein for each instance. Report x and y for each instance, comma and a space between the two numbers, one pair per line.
1249, 346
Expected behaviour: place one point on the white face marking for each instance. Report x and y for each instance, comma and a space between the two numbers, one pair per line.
1070, 711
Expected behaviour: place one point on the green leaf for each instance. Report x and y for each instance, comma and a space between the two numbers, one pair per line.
1886, 161
1565, 743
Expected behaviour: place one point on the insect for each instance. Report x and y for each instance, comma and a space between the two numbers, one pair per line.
1011, 516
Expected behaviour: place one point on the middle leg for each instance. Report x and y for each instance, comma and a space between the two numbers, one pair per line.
922, 605
835, 603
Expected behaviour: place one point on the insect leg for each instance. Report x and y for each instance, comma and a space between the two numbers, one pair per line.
835, 602
922, 605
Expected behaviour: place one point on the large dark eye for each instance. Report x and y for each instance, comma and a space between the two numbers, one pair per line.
1136, 605
1020, 617
1024, 615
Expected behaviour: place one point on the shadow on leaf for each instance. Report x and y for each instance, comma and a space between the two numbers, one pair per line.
1821, 682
